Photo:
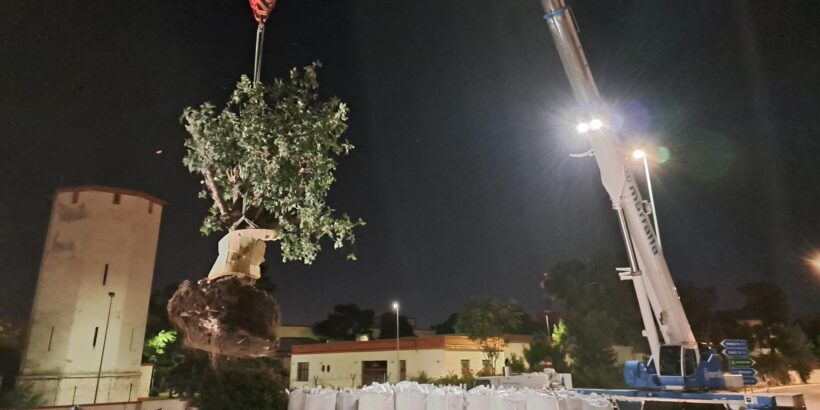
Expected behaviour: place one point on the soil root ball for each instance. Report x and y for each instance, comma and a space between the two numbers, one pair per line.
227, 316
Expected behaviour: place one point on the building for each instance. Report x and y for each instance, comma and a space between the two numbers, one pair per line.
91, 302
351, 364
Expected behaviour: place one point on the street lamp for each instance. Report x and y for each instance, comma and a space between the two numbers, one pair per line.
398, 362
640, 154
105, 336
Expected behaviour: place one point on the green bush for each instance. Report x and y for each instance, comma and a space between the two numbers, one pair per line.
243, 389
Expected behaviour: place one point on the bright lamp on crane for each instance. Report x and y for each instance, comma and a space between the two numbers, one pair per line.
582, 128
595, 124
638, 154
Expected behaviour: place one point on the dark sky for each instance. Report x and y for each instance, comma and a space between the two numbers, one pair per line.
459, 114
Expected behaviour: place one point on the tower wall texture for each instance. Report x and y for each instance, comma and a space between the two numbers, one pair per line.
99, 240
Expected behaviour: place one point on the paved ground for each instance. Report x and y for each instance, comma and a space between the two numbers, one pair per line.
811, 392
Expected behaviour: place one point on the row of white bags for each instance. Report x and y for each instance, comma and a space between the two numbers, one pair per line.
414, 396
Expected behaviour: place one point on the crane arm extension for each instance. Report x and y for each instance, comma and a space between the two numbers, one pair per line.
650, 274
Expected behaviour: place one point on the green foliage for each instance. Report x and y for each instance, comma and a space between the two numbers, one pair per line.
451, 379
600, 312
765, 301
421, 377
543, 350
559, 334
772, 367
20, 398
345, 322
447, 327
517, 364
268, 159
240, 389
161, 341
796, 348
387, 326
488, 322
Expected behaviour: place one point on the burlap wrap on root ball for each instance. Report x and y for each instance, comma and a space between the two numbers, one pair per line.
227, 316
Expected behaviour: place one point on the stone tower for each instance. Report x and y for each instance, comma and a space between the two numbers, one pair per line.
91, 303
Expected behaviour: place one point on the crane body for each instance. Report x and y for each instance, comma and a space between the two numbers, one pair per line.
676, 362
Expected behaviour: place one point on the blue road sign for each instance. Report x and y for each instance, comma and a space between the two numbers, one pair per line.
735, 344
745, 371
749, 380
736, 352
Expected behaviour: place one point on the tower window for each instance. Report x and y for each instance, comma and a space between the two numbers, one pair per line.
116, 199
96, 331
50, 338
150, 207
105, 274
75, 196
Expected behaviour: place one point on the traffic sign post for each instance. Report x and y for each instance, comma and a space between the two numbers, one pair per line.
735, 344
737, 352
741, 362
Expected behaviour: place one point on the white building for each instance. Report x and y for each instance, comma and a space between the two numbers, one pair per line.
351, 364
91, 302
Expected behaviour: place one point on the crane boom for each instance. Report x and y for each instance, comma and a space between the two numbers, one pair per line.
660, 306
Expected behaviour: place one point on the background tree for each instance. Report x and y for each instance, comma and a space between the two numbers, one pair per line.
765, 301
447, 327
345, 322
791, 342
242, 388
541, 349
387, 326
488, 322
599, 311
268, 159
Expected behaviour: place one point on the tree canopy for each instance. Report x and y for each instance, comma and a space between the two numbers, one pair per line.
387, 324
488, 322
268, 160
345, 322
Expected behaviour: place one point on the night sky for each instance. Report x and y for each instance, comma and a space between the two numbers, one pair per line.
459, 112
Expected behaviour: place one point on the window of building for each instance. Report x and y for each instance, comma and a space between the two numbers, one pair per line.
116, 199
485, 364
465, 365
328, 368
75, 196
302, 370
402, 370
94, 341
105, 274
150, 207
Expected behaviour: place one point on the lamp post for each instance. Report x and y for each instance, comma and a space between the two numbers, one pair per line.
640, 154
398, 362
105, 336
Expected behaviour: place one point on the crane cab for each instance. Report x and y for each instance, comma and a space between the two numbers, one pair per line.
679, 368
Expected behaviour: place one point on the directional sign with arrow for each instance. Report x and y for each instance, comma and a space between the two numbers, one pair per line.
745, 371
736, 352
741, 362
735, 344
749, 380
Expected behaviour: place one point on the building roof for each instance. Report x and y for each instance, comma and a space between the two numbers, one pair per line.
444, 342
100, 188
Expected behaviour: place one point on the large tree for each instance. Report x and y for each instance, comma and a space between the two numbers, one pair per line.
345, 323
599, 311
488, 322
387, 326
765, 301
446, 327
268, 160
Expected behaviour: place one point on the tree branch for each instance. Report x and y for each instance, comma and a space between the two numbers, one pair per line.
215, 194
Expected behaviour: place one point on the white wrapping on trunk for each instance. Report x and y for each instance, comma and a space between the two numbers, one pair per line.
296, 400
